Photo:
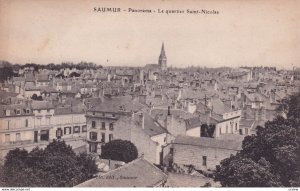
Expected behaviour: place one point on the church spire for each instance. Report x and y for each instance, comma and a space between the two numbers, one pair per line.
162, 52
162, 61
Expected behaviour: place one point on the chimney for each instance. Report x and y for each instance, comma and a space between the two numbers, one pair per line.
142, 118
272, 96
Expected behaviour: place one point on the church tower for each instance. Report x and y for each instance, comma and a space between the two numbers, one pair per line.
162, 61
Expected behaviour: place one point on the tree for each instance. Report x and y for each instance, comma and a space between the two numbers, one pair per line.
36, 98
207, 130
2, 182
294, 107
13, 166
87, 164
120, 150
277, 144
55, 166
6, 73
238, 171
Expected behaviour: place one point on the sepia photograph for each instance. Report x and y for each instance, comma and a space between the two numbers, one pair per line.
164, 93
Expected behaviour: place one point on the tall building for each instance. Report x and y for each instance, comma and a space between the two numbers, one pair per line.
162, 61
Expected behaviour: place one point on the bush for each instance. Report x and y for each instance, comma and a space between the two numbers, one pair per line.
120, 150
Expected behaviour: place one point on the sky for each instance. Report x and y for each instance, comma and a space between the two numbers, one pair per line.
244, 33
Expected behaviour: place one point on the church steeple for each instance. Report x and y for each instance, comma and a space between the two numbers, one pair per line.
162, 61
162, 52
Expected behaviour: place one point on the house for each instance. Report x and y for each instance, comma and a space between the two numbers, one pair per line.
43, 112
202, 152
42, 80
16, 124
68, 122
215, 112
102, 117
137, 173
177, 122
145, 133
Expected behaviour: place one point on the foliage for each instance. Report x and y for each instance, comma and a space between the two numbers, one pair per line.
55, 166
207, 130
238, 171
294, 107
273, 153
6, 73
36, 98
120, 150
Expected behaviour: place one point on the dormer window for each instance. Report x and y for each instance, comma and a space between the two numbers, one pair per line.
18, 112
7, 112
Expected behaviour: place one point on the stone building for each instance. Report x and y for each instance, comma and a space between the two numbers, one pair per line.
202, 152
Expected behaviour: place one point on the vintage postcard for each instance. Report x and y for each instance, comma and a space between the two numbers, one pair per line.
163, 93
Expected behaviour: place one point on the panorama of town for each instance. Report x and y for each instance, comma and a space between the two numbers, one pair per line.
89, 125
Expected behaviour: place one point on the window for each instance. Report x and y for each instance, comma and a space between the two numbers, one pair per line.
7, 112
103, 137
236, 126
48, 110
226, 128
103, 114
7, 138
67, 130
241, 131
111, 126
93, 124
18, 137
93, 147
93, 136
113, 115
103, 125
59, 133
93, 113
204, 160
220, 131
39, 111
76, 129
18, 112
111, 137
44, 135
246, 131
26, 122
84, 129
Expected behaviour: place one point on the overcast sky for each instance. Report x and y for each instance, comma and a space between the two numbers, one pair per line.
244, 33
